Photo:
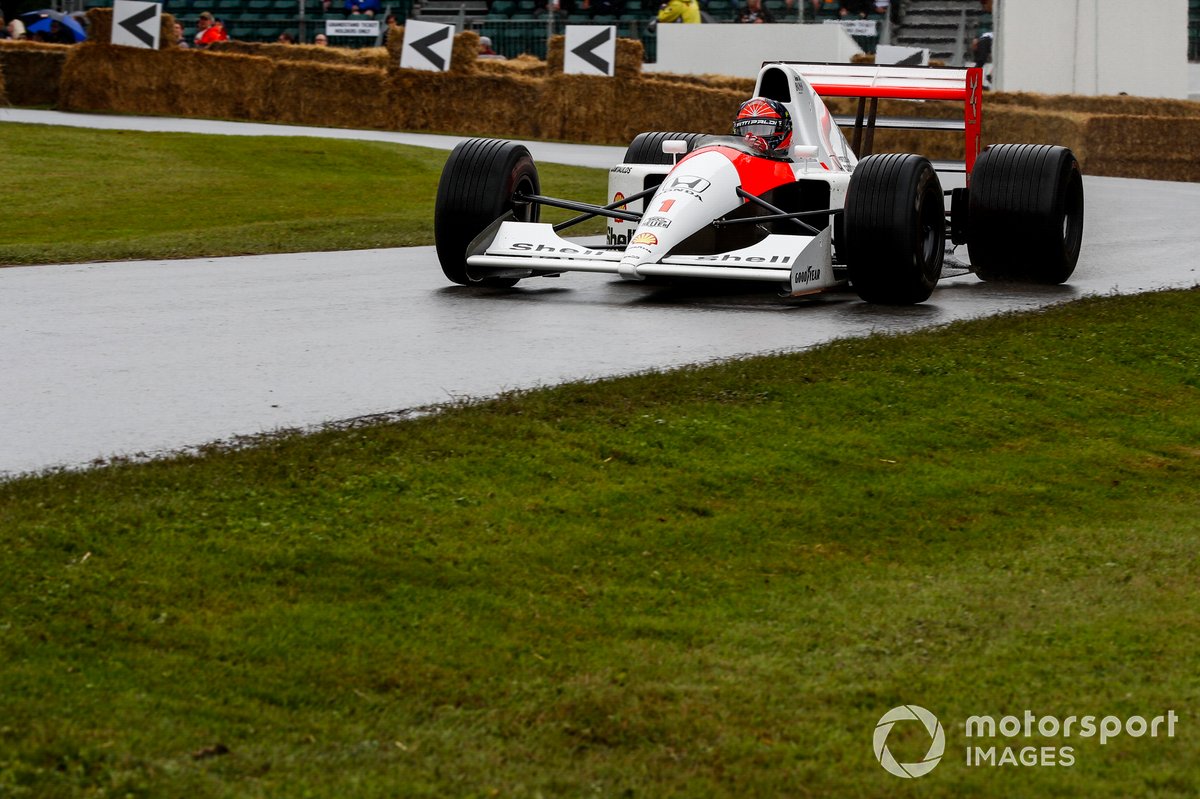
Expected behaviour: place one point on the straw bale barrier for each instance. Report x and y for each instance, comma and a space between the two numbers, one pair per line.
32, 71
1158, 148
529, 98
178, 82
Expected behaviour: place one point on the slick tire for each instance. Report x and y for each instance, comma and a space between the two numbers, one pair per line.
1025, 218
478, 183
646, 148
895, 229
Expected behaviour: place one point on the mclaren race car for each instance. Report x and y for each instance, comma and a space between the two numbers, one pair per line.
821, 214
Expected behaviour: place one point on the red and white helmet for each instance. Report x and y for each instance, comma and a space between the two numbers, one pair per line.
768, 121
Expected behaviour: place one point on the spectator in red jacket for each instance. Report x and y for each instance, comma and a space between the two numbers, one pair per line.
209, 30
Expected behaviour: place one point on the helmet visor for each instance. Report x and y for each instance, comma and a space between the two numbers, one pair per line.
758, 127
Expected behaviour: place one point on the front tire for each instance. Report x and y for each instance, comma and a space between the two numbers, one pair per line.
1025, 218
895, 229
478, 183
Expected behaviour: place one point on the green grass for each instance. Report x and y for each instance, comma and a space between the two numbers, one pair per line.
89, 195
704, 583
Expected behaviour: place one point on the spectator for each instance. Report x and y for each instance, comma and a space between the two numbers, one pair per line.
209, 30
321, 40
3, 27
365, 8
59, 34
679, 11
485, 46
180, 38
981, 45
387, 27
16, 29
286, 38
753, 12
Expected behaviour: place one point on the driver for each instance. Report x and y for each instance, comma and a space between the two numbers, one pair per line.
765, 124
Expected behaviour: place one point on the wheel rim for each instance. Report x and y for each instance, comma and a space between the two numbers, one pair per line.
523, 211
932, 222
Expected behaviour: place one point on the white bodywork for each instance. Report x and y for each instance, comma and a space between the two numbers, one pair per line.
698, 189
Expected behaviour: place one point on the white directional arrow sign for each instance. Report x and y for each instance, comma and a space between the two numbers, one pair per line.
136, 24
590, 50
426, 46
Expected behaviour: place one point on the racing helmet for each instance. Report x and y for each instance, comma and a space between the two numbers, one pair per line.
767, 120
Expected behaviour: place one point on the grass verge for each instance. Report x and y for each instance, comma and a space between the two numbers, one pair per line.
72, 195
705, 583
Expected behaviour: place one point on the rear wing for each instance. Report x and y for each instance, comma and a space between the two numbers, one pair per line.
873, 82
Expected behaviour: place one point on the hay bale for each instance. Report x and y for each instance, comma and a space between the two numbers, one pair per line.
33, 71
581, 108
464, 53
394, 45
329, 95
528, 65
175, 82
1108, 105
1154, 148
368, 57
505, 106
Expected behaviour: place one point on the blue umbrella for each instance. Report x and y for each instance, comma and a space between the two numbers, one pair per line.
39, 22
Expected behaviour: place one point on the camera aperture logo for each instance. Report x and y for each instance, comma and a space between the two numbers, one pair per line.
1040, 734
937, 745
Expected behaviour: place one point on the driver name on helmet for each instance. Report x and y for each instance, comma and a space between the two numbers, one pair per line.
766, 124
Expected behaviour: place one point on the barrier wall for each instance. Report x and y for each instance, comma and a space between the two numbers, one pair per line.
1092, 47
739, 50
526, 98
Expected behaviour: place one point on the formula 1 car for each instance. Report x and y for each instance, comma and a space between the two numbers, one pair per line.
814, 218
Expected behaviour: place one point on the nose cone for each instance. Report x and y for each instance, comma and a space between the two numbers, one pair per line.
701, 187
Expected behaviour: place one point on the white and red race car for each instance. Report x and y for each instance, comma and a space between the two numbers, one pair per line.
815, 218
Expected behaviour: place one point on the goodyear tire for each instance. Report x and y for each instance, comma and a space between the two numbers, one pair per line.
895, 229
646, 148
477, 187
1025, 218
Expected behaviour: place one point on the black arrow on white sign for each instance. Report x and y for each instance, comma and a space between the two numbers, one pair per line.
585, 50
425, 47
133, 25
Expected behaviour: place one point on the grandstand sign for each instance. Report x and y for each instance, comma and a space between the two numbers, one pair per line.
136, 24
590, 50
856, 27
427, 46
351, 27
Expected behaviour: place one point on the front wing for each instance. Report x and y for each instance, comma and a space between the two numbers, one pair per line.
801, 263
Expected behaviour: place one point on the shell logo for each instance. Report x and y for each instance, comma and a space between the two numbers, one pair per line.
645, 238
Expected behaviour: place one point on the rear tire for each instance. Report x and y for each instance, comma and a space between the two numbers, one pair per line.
646, 148
895, 229
1025, 221
477, 187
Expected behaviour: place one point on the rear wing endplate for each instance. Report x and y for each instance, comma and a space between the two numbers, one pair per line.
871, 82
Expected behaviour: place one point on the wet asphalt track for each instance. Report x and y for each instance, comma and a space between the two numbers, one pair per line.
147, 357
